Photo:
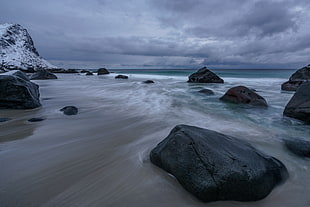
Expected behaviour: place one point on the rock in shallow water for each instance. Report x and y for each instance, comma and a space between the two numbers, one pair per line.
69, 110
102, 71
206, 91
301, 76
148, 81
121, 77
213, 166
299, 105
298, 147
204, 75
43, 75
242, 94
36, 119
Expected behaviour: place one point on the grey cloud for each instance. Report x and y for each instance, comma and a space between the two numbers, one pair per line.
170, 33
266, 18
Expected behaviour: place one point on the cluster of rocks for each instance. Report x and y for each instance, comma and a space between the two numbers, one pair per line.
298, 107
213, 166
19, 92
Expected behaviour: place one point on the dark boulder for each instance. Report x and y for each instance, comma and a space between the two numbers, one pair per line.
17, 92
297, 79
102, 71
291, 85
301, 74
121, 77
69, 110
42, 75
207, 92
204, 75
299, 105
36, 119
89, 73
242, 94
298, 147
84, 71
214, 166
148, 81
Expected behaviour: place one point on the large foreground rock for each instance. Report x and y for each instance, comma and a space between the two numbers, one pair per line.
42, 75
18, 92
213, 166
204, 75
299, 105
242, 94
301, 76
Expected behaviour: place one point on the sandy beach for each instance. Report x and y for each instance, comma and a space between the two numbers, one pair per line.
100, 157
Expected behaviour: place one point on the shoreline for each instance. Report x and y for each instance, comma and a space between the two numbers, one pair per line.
100, 157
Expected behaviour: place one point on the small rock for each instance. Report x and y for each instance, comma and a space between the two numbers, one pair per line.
298, 147
36, 119
121, 77
148, 81
69, 110
89, 73
206, 92
242, 94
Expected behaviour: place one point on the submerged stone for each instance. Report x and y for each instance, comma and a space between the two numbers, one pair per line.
69, 110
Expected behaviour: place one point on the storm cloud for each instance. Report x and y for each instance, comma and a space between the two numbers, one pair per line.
166, 33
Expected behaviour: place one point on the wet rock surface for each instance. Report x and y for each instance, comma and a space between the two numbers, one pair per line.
213, 166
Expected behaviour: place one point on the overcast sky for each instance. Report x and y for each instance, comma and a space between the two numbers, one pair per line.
166, 33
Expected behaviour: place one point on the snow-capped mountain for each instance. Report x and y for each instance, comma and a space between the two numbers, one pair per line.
17, 50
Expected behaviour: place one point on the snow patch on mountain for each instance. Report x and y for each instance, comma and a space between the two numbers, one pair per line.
17, 50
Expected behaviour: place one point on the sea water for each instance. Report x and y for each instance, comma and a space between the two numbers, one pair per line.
100, 157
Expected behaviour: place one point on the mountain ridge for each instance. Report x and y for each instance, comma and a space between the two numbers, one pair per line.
17, 50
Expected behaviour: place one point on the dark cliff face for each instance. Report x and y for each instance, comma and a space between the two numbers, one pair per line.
17, 32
